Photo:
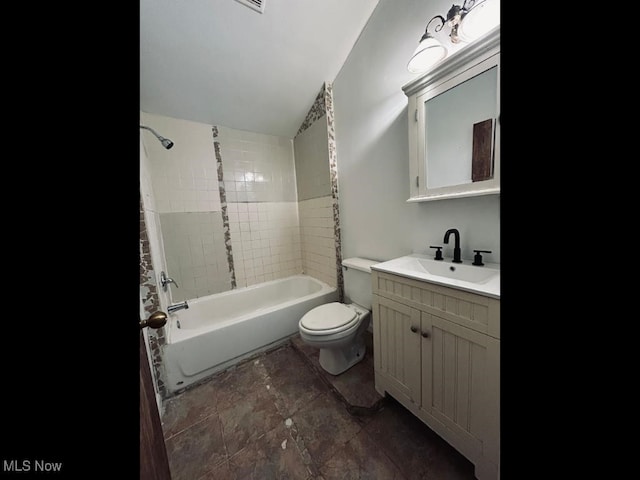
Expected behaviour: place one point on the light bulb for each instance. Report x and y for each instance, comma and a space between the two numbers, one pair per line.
480, 19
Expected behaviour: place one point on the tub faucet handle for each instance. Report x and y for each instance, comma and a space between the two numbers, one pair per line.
165, 281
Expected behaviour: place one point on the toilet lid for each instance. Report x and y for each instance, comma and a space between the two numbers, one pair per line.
328, 316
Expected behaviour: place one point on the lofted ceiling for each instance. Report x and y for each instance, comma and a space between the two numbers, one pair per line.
219, 62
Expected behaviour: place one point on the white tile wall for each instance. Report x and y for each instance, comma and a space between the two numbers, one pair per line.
185, 187
257, 167
260, 186
185, 178
318, 239
265, 240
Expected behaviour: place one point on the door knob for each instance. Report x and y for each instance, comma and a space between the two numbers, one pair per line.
414, 329
155, 320
425, 334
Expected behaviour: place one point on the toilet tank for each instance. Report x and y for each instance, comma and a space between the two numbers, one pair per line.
357, 280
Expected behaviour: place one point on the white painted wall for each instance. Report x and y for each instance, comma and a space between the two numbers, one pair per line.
372, 149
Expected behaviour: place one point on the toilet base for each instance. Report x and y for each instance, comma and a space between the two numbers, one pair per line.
339, 360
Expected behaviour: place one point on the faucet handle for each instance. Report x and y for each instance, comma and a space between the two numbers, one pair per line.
438, 252
165, 281
477, 258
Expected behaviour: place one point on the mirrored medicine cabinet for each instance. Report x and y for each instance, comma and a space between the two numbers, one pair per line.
454, 124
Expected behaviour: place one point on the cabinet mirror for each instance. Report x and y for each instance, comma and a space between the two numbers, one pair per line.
454, 127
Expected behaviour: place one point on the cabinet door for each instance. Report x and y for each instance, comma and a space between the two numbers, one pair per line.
460, 385
454, 132
396, 337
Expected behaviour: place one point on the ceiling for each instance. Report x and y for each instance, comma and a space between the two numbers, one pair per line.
219, 62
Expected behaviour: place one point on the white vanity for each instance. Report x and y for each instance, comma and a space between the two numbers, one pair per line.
436, 323
436, 334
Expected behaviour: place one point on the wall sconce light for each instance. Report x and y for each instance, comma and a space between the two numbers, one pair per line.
467, 22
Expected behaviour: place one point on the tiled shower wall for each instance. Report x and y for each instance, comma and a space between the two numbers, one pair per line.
228, 202
256, 198
318, 243
260, 191
317, 186
315, 202
185, 184
194, 246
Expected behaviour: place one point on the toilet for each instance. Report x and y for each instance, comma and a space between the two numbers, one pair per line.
337, 328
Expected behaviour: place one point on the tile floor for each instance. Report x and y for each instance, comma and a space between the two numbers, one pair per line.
280, 416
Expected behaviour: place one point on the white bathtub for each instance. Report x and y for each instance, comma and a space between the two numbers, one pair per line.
220, 330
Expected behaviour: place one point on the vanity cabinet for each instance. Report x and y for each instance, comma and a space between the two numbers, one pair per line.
437, 351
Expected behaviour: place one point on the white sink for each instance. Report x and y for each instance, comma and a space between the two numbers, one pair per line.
484, 280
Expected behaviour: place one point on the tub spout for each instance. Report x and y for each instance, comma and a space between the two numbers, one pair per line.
177, 306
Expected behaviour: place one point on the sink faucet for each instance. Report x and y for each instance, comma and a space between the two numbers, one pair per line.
456, 248
177, 306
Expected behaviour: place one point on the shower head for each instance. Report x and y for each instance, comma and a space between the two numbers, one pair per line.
166, 143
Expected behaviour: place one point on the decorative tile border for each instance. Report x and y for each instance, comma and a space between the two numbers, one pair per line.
323, 105
333, 172
151, 304
318, 109
225, 212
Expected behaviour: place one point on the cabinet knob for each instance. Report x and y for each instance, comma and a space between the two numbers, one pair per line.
425, 334
414, 329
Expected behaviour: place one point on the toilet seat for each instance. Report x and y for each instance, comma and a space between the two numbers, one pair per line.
329, 318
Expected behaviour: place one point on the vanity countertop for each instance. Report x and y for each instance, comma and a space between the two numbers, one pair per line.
482, 280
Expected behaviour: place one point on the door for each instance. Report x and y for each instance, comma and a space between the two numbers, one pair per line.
154, 464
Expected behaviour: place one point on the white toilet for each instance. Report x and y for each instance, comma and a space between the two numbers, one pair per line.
337, 328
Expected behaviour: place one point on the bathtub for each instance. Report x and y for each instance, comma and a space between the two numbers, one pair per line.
220, 330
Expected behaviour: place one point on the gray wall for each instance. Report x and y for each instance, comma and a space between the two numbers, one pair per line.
196, 254
372, 150
311, 149
315, 180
